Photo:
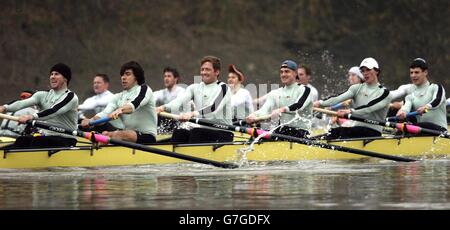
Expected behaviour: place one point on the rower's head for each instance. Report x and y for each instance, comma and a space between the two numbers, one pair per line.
418, 71
131, 74
100, 83
209, 69
304, 74
25, 94
60, 76
171, 77
235, 76
288, 72
355, 76
370, 70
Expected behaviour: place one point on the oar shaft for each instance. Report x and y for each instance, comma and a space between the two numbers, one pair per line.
171, 154
267, 135
401, 126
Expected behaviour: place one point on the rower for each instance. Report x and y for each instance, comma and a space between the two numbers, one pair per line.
12, 128
287, 102
241, 100
370, 100
426, 97
212, 101
354, 76
134, 107
173, 90
97, 103
304, 76
58, 106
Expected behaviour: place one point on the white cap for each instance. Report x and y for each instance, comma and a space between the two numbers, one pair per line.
370, 63
355, 70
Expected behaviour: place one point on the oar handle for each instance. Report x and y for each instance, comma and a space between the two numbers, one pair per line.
263, 118
177, 117
326, 111
341, 104
258, 119
408, 115
99, 121
9, 117
169, 115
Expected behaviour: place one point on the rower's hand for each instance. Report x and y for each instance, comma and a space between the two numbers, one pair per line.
401, 114
85, 123
422, 110
396, 105
250, 119
346, 103
160, 109
2, 109
277, 113
316, 104
343, 112
24, 118
115, 115
186, 116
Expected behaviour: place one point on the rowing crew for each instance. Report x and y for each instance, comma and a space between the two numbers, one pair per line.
134, 112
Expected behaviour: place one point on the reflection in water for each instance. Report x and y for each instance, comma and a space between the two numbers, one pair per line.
312, 185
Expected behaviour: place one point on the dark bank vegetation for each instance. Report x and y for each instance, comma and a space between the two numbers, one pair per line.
329, 35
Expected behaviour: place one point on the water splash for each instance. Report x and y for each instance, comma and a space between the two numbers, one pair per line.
242, 152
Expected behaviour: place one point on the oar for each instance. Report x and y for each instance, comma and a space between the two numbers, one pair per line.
400, 126
408, 115
258, 119
107, 140
268, 135
341, 104
99, 121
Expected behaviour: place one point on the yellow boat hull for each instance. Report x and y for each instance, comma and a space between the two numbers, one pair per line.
87, 156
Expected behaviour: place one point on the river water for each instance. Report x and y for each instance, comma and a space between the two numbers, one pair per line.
312, 185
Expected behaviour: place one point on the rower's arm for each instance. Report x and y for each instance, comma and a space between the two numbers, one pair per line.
88, 104
438, 97
223, 97
376, 104
268, 106
20, 104
401, 92
303, 101
408, 104
111, 107
144, 96
249, 102
182, 99
70, 102
349, 94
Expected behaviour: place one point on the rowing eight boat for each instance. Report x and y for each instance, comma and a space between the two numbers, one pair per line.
87, 155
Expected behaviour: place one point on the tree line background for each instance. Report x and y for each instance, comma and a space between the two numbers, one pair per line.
330, 36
